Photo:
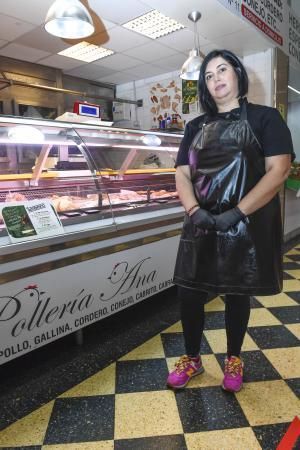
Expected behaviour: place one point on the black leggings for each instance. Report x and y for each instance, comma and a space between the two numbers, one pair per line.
237, 312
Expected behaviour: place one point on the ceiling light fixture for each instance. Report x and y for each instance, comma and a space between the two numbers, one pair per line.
153, 25
84, 51
69, 19
191, 68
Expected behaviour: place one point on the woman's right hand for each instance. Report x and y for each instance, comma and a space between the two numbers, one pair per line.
203, 219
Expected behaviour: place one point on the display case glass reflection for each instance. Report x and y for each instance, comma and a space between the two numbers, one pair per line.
88, 172
37, 112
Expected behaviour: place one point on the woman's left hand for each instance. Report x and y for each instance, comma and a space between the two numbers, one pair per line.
228, 218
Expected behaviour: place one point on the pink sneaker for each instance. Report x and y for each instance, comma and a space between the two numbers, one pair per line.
185, 369
233, 374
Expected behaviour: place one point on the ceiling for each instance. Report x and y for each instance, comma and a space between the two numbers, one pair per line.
23, 37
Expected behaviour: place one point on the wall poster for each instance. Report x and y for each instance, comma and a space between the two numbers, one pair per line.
189, 96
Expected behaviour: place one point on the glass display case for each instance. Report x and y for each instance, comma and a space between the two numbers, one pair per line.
89, 172
114, 191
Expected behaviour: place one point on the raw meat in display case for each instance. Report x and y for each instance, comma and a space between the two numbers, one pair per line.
87, 170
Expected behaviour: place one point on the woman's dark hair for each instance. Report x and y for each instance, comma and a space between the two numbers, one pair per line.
207, 102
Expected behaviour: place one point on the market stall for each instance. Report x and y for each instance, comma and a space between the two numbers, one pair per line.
113, 194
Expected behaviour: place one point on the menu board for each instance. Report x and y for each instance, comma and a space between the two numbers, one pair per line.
30, 220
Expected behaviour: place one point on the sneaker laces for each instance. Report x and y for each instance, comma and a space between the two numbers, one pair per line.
183, 363
234, 367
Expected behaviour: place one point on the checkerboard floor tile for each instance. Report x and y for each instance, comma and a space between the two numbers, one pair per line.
127, 406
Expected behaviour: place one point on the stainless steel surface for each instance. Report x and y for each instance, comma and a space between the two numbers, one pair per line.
10, 82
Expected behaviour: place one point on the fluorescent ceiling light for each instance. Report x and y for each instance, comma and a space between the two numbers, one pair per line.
84, 51
294, 90
153, 25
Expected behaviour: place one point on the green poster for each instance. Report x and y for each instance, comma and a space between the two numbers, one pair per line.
17, 221
189, 91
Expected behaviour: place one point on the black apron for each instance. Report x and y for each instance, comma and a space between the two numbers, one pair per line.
226, 162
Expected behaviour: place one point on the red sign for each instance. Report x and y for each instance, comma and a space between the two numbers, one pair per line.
261, 25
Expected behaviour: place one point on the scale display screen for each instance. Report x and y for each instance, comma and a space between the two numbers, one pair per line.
88, 110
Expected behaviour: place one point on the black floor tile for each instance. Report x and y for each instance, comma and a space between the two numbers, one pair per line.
294, 384
287, 276
209, 408
273, 337
294, 257
294, 295
286, 314
81, 419
269, 436
257, 367
141, 375
214, 320
290, 266
296, 445
30, 447
254, 303
34, 379
173, 344
174, 442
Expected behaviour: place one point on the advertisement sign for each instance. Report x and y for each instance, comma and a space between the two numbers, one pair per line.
233, 5
189, 96
267, 16
39, 309
30, 220
293, 43
275, 19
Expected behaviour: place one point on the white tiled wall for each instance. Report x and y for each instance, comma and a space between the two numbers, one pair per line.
142, 88
259, 68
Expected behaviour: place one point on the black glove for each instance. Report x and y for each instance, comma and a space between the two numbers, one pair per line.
203, 219
228, 218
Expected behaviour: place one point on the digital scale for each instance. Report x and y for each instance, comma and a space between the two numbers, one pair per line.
86, 109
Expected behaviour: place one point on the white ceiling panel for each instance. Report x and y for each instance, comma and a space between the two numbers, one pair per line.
181, 40
150, 52
116, 78
107, 24
118, 62
121, 39
61, 62
90, 71
32, 11
144, 71
216, 20
12, 28
23, 53
172, 63
39, 38
22, 36
118, 11
247, 43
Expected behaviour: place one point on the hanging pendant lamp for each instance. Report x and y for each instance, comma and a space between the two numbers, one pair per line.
191, 67
69, 19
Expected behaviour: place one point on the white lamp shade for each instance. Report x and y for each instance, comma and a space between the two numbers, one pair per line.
191, 68
69, 19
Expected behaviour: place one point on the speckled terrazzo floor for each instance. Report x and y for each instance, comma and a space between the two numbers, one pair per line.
101, 395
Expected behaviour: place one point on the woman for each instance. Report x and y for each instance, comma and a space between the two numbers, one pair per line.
231, 164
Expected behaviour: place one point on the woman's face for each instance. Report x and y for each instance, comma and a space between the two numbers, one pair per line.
221, 80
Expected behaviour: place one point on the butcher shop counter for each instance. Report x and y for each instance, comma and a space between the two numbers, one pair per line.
113, 191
